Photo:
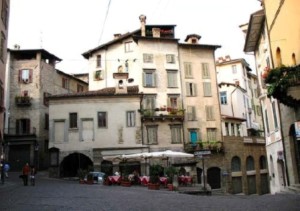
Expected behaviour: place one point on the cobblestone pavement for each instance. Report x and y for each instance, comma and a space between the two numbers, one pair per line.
57, 194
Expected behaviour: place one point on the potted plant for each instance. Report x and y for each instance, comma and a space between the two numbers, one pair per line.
81, 174
171, 171
154, 181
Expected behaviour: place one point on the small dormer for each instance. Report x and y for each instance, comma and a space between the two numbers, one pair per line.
192, 38
121, 82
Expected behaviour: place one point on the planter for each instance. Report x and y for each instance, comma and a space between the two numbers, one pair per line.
90, 182
81, 181
152, 186
125, 183
170, 187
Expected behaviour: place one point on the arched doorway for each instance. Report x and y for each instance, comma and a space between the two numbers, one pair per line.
71, 163
251, 176
214, 177
236, 175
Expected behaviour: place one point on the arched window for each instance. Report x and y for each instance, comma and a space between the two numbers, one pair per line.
250, 163
262, 162
294, 59
278, 57
235, 164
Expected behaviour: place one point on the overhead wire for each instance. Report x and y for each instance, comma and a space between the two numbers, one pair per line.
103, 26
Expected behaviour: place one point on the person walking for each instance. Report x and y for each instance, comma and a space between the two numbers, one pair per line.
25, 170
32, 176
6, 169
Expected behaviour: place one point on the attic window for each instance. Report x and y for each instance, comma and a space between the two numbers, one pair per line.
194, 40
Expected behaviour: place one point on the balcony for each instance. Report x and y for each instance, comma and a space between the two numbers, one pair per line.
162, 114
254, 140
23, 101
213, 146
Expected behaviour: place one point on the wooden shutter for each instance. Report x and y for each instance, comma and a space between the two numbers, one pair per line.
30, 75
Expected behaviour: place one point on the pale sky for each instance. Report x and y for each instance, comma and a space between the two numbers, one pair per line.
68, 28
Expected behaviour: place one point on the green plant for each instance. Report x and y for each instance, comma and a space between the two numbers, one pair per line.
155, 170
81, 173
170, 172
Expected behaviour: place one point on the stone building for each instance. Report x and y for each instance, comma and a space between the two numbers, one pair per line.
32, 77
5, 6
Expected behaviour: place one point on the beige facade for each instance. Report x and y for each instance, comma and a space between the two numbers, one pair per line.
274, 45
32, 78
5, 6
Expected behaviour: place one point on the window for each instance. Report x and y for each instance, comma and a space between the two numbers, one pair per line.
211, 134
23, 126
173, 101
98, 75
223, 97
235, 164
267, 121
191, 113
25, 75
258, 110
232, 129
46, 101
205, 70
98, 61
188, 70
176, 134
149, 102
65, 83
2, 46
73, 120
4, 13
102, 119
262, 162
151, 134
227, 128
170, 58
209, 113
234, 71
130, 118
250, 163
79, 88
172, 78
274, 115
149, 78
191, 89
148, 58
238, 129
46, 121
193, 136
1, 96
207, 89
128, 46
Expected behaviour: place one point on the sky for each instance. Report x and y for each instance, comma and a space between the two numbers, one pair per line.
68, 28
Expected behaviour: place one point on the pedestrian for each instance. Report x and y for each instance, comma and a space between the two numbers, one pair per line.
25, 171
6, 169
32, 175
2, 171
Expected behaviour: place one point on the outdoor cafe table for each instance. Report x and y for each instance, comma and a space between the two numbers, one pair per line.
184, 180
114, 179
145, 180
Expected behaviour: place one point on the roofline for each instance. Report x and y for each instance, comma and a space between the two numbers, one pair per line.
71, 76
36, 50
206, 46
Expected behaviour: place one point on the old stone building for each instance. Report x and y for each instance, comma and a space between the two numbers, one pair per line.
32, 77
5, 6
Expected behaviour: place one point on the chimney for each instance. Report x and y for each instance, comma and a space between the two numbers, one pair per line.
227, 58
143, 25
220, 59
156, 32
116, 36
237, 83
17, 47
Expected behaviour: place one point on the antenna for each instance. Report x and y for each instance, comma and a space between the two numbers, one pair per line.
41, 39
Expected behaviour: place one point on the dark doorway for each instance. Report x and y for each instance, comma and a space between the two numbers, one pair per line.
214, 177
107, 167
18, 156
70, 164
199, 175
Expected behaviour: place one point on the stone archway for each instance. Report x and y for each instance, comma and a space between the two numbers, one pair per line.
71, 163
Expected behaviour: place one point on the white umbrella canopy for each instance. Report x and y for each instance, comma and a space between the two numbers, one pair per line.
170, 154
